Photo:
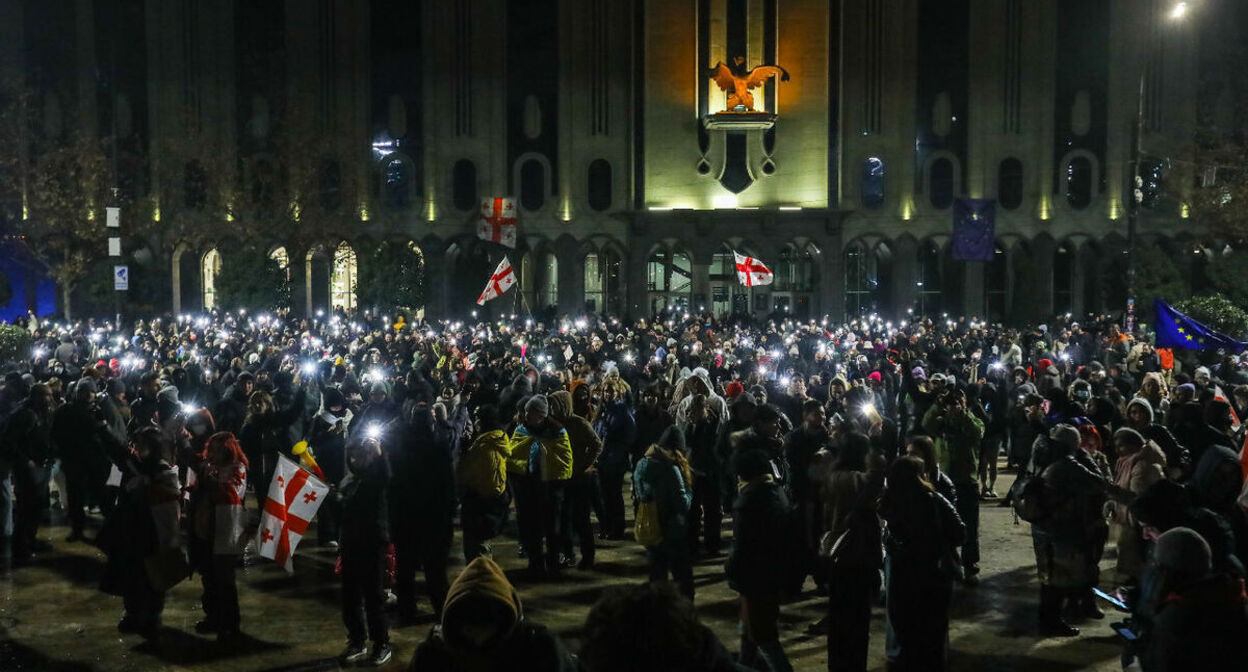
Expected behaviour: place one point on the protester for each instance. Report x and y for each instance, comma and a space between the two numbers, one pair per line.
365, 536
481, 474
662, 477
218, 531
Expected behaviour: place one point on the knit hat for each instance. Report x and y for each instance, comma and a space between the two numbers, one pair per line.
672, 439
379, 388
1183, 550
537, 404
918, 373
1044, 364
875, 375
1065, 435
734, 389
87, 383
1128, 435
1201, 371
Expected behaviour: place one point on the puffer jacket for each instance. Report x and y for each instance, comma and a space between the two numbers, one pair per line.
483, 468
548, 454
586, 446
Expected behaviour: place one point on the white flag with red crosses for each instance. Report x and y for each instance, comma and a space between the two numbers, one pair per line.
294, 497
502, 280
752, 272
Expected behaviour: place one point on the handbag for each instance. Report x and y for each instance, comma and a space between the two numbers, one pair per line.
166, 568
646, 528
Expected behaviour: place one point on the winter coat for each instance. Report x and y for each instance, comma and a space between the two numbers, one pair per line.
618, 430
1202, 627
483, 468
657, 479
365, 507
751, 565
920, 535
586, 446
1136, 472
548, 454
957, 442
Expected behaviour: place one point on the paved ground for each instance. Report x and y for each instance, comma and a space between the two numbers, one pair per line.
53, 618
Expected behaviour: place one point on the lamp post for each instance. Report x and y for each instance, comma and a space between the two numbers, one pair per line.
1177, 13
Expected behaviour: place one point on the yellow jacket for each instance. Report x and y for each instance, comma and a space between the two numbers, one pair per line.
548, 456
482, 469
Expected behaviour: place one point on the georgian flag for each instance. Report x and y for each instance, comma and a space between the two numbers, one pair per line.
498, 221
294, 497
500, 282
751, 272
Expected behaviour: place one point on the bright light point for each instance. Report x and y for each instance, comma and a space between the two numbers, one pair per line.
372, 431
724, 201
1179, 11
309, 368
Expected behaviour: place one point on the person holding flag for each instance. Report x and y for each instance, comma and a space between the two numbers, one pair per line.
218, 531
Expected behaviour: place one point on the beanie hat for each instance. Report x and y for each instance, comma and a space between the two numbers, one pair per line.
918, 373
1201, 371
1182, 550
168, 393
379, 388
672, 439
537, 404
734, 389
87, 383
1065, 435
875, 375
1044, 364
1128, 435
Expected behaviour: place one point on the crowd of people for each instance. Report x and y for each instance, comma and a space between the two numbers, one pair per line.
855, 456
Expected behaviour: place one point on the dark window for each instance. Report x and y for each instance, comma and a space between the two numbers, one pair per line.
1079, 182
532, 185
195, 186
331, 185
464, 185
396, 188
940, 185
1010, 184
872, 183
600, 185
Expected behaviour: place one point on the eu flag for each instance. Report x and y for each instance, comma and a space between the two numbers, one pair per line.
1176, 330
974, 229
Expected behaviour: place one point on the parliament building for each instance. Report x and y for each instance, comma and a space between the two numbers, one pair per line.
634, 175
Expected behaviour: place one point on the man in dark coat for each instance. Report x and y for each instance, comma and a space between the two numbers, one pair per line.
28, 446
75, 432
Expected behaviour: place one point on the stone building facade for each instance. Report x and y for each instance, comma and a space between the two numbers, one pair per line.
599, 118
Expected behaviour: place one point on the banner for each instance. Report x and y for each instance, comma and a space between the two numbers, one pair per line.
1176, 330
974, 229
498, 221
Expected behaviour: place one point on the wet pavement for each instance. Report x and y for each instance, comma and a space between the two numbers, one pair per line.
53, 617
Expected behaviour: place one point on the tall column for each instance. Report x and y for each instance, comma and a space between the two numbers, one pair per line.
905, 275
300, 291
1042, 251
437, 279
973, 290
1078, 282
701, 296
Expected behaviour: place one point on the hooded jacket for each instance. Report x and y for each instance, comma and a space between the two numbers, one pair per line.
483, 588
1201, 627
586, 446
658, 479
483, 468
548, 455
1177, 458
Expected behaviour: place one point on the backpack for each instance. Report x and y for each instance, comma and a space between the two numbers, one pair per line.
1028, 496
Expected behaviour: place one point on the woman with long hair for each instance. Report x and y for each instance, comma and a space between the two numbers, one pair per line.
262, 436
218, 531
922, 531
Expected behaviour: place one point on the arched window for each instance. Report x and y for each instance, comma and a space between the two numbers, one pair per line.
396, 184
940, 184
872, 187
599, 185
860, 280
342, 282
195, 186
1010, 183
930, 280
464, 185
209, 268
1079, 182
532, 185
796, 270
669, 277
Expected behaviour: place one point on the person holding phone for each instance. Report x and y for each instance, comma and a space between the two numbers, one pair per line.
957, 434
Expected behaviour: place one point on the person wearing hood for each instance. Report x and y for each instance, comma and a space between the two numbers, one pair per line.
541, 453
663, 476
328, 443
481, 474
1216, 485
362, 547
380, 410
1166, 505
618, 430
483, 629
1198, 618
652, 418
1141, 418
1140, 464
578, 496
509, 401
230, 412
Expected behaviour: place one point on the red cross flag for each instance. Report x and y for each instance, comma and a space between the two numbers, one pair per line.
294, 497
498, 221
500, 282
751, 271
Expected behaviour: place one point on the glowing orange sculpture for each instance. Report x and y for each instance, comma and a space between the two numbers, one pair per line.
735, 81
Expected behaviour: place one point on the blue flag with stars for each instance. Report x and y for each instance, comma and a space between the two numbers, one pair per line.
1176, 330
974, 229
